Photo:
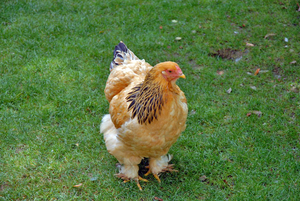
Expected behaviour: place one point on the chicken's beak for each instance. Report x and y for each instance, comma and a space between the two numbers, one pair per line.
182, 76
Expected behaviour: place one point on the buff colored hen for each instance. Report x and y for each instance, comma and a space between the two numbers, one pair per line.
147, 113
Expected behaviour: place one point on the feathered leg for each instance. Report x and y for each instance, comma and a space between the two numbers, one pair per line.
158, 165
129, 168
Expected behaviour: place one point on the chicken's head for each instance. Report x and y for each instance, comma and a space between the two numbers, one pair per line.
170, 70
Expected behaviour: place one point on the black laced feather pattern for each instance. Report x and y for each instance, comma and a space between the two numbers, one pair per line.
145, 103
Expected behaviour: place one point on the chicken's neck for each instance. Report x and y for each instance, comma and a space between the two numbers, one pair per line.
147, 99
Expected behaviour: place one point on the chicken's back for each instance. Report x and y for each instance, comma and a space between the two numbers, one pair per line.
125, 68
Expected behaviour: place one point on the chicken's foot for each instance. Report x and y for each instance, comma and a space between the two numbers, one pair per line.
126, 179
169, 168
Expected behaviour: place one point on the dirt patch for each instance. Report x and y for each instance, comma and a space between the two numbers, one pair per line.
230, 54
20, 148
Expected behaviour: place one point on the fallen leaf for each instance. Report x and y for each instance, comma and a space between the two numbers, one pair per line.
253, 87
203, 178
178, 38
249, 114
293, 62
295, 89
257, 71
225, 182
238, 59
93, 178
157, 198
258, 113
77, 144
298, 7
160, 27
249, 44
220, 72
101, 32
263, 71
268, 35
78, 185
194, 31
192, 112
174, 21
229, 90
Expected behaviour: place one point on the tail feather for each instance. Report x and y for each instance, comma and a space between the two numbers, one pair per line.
122, 54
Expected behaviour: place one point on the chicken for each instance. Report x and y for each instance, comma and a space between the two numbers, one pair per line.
147, 113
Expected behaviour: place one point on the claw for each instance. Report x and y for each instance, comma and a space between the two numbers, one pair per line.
142, 179
139, 185
126, 179
157, 178
155, 175
169, 168
149, 172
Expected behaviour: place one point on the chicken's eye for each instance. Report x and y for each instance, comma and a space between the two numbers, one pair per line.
170, 71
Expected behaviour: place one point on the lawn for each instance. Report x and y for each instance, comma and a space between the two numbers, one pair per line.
242, 140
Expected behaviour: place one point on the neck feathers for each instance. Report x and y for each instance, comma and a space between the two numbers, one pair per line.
147, 99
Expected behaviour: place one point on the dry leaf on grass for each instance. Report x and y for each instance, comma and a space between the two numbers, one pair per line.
192, 112
263, 71
157, 198
203, 178
249, 44
78, 185
220, 72
293, 62
178, 38
93, 178
229, 90
295, 89
268, 35
257, 71
258, 113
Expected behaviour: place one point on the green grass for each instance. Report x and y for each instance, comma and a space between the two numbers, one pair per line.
54, 62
